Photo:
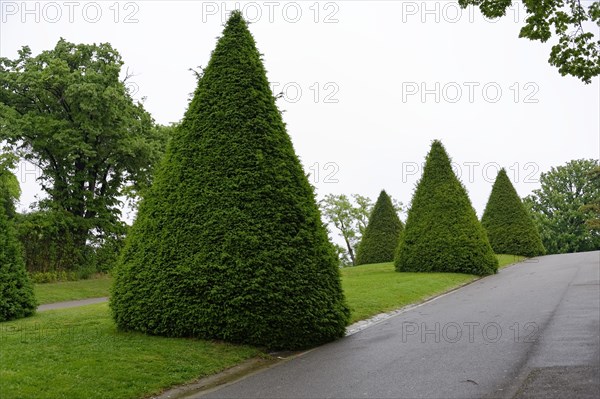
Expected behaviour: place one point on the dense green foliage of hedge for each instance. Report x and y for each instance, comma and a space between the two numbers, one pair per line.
509, 226
442, 232
16, 290
379, 242
228, 242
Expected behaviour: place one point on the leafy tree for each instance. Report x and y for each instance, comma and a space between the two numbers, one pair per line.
10, 189
558, 207
67, 111
509, 226
228, 242
577, 52
382, 234
442, 232
348, 219
16, 290
593, 208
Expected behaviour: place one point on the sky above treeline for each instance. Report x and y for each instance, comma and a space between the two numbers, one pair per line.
367, 85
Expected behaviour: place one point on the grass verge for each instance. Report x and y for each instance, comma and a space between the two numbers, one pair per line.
378, 288
507, 260
77, 353
73, 290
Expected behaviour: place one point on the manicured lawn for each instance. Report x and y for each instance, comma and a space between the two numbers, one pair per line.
507, 260
378, 288
71, 290
77, 353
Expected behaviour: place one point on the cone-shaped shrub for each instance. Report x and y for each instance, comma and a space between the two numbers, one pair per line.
228, 243
381, 236
442, 232
16, 290
509, 227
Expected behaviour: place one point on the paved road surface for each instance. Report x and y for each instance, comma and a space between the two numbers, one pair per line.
531, 331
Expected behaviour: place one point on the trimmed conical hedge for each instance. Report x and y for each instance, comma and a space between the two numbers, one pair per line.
509, 227
228, 243
442, 232
16, 290
382, 234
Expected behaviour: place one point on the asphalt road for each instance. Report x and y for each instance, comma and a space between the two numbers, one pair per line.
530, 331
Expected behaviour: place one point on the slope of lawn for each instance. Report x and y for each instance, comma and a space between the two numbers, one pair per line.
507, 260
72, 290
377, 288
77, 353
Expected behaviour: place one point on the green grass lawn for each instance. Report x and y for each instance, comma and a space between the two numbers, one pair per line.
77, 353
507, 260
378, 288
71, 290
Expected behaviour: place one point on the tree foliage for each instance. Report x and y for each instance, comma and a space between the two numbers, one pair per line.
228, 242
10, 189
577, 52
68, 112
379, 242
349, 217
558, 207
507, 222
16, 290
592, 208
442, 232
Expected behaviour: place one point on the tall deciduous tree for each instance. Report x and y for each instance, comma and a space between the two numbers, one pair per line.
229, 242
67, 111
574, 22
509, 226
442, 232
381, 237
558, 207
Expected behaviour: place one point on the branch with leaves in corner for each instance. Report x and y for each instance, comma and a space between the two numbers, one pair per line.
577, 52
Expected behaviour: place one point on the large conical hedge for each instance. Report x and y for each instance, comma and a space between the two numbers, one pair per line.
442, 232
229, 243
509, 227
16, 290
381, 236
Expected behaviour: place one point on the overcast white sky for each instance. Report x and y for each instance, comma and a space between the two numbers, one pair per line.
369, 84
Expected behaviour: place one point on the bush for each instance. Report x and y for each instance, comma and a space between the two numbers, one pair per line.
228, 242
509, 226
48, 244
16, 290
381, 236
442, 232
52, 251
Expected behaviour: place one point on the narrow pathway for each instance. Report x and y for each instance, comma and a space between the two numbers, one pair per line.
71, 304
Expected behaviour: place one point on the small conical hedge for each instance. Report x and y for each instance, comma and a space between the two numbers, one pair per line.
382, 234
442, 232
16, 290
509, 227
228, 243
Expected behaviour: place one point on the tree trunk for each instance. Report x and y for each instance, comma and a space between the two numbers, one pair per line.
350, 251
